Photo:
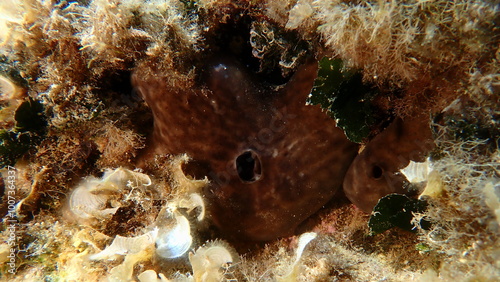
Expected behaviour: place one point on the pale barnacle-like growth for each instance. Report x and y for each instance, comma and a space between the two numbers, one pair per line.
194, 201
209, 261
304, 240
151, 276
184, 183
135, 249
492, 198
85, 204
174, 236
491, 192
12, 94
435, 186
126, 245
92, 198
417, 171
424, 173
120, 178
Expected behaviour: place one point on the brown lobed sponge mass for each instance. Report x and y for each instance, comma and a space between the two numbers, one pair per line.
272, 161
375, 172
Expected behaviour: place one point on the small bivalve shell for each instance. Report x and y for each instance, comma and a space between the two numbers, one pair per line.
195, 201
127, 245
174, 242
208, 261
100, 198
85, 204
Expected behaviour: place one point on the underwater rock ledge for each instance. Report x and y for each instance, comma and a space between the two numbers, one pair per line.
74, 129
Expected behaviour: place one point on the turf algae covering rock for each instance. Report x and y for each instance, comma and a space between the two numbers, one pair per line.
433, 59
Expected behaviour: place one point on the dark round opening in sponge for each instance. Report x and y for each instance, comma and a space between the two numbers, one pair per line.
377, 172
248, 166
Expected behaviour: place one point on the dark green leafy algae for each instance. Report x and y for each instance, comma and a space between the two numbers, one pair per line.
342, 93
397, 210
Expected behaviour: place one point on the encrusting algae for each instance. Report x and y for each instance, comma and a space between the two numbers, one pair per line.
98, 184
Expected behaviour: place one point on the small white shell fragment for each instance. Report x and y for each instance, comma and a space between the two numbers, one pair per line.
127, 245
151, 276
304, 240
117, 179
417, 172
208, 260
91, 197
85, 204
10, 90
194, 201
174, 242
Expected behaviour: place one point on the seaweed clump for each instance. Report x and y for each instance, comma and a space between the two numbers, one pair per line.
465, 211
397, 210
342, 93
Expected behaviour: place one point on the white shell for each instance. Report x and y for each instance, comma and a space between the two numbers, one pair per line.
417, 172
174, 242
194, 201
85, 204
120, 178
304, 239
127, 245
90, 198
208, 260
9, 90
